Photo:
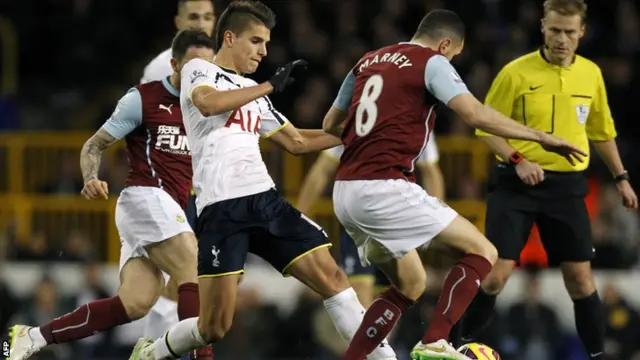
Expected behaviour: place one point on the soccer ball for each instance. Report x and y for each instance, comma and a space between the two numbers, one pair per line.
478, 351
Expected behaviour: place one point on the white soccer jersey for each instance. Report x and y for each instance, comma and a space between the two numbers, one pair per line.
226, 157
159, 68
429, 155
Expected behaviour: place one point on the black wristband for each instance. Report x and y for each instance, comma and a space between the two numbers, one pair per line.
622, 177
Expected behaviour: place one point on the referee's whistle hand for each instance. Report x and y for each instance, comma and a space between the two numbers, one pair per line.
530, 173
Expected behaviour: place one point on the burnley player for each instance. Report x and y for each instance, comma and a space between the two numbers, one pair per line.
367, 281
239, 210
192, 14
385, 113
154, 233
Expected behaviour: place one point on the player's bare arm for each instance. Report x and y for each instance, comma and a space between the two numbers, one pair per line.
90, 159
299, 142
316, 181
333, 122
485, 118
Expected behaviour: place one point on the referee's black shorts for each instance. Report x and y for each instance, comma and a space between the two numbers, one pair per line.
556, 205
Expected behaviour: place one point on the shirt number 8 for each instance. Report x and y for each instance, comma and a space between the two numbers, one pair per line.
367, 105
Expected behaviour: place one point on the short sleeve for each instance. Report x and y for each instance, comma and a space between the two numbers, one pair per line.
127, 115
430, 155
335, 152
197, 73
501, 95
343, 100
442, 79
600, 125
272, 120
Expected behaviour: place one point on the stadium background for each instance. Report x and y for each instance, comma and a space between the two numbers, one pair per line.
65, 63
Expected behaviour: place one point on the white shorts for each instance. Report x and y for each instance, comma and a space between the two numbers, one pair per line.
146, 215
388, 218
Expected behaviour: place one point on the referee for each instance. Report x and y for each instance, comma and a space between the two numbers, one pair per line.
558, 92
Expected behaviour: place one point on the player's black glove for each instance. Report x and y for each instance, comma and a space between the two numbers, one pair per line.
282, 78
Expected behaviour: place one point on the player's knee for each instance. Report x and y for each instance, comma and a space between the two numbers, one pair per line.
578, 280
498, 277
320, 272
413, 285
137, 304
214, 328
486, 249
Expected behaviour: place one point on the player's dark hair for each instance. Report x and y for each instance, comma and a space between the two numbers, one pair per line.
182, 2
441, 23
189, 38
239, 15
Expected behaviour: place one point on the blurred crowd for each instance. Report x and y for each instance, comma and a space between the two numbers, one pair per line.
77, 58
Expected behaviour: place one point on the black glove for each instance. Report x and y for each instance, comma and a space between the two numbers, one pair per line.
282, 78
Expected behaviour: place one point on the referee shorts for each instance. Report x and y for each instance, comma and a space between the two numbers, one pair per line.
556, 205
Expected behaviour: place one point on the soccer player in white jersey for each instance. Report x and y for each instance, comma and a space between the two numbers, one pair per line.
365, 280
192, 14
239, 210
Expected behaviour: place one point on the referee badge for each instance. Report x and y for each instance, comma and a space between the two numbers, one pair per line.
582, 111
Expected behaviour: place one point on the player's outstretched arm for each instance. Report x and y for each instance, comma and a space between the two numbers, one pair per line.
316, 181
299, 142
213, 102
201, 87
487, 119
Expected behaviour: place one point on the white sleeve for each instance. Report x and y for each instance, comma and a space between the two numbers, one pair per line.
197, 73
442, 80
126, 117
272, 120
430, 155
335, 152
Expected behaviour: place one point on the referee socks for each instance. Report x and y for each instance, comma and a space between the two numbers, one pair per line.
591, 324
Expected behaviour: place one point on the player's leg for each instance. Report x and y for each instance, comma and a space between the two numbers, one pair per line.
362, 278
464, 279
169, 242
164, 312
400, 217
177, 256
140, 286
297, 246
565, 231
223, 243
510, 217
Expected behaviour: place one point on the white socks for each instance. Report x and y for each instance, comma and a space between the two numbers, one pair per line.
163, 315
180, 339
347, 313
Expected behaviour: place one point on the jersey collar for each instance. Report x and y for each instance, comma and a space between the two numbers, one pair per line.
169, 87
230, 71
544, 57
